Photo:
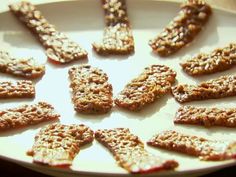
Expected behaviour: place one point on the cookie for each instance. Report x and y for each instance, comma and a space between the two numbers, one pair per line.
59, 48
17, 89
225, 117
117, 38
224, 86
23, 67
205, 149
57, 144
218, 60
91, 92
26, 115
130, 153
154, 82
182, 30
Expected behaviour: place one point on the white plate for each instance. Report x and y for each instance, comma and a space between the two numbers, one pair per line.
83, 21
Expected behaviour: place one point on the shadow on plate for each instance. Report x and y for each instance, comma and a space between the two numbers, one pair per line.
95, 118
111, 57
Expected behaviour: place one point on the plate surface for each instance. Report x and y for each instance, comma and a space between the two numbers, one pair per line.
83, 21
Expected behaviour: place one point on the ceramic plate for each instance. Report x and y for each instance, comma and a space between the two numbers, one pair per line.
83, 21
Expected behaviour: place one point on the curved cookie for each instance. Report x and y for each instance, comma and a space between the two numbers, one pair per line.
129, 151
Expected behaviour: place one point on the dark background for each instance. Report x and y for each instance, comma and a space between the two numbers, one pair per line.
8, 169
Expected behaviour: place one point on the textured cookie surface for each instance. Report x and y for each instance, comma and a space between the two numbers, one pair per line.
24, 67
154, 82
206, 116
129, 151
221, 87
59, 48
57, 144
196, 146
220, 59
183, 29
117, 37
18, 89
91, 92
26, 115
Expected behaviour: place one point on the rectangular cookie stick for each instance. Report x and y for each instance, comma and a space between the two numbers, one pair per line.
206, 116
91, 92
24, 67
221, 87
18, 89
129, 151
220, 59
57, 144
154, 82
59, 48
117, 37
182, 29
195, 146
26, 115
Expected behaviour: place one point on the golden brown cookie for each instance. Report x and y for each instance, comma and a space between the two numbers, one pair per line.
130, 153
182, 29
196, 146
57, 144
59, 48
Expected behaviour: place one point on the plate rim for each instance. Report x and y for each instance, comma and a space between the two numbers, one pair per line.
228, 163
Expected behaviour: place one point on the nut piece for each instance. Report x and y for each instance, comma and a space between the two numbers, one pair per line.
183, 29
118, 37
19, 89
219, 60
194, 146
25, 67
150, 85
91, 92
129, 151
206, 116
57, 145
26, 115
59, 48
221, 87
